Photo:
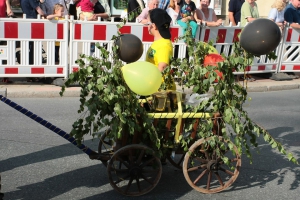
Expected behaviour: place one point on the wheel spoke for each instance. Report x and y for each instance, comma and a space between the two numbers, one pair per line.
208, 180
121, 179
200, 176
122, 162
120, 170
129, 184
219, 179
145, 178
193, 168
138, 184
226, 171
201, 160
148, 162
150, 170
130, 157
141, 156
214, 155
206, 155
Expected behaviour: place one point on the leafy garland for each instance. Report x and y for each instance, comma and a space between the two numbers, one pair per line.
106, 100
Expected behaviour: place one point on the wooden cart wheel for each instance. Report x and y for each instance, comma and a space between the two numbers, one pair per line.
105, 146
134, 170
206, 172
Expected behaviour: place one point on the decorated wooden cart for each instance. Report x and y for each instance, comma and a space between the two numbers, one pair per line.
134, 168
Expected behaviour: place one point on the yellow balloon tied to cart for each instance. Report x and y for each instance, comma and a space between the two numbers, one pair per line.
142, 77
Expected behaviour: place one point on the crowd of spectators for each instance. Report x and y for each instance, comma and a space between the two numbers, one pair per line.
182, 12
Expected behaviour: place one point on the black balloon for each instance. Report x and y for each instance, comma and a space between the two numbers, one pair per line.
130, 48
260, 37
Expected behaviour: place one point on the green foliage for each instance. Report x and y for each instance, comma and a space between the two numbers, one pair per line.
227, 97
106, 101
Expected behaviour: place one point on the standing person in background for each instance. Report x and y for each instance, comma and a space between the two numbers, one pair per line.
186, 16
206, 15
292, 16
143, 17
163, 4
58, 14
47, 6
234, 11
5, 10
85, 9
249, 12
32, 9
134, 9
276, 14
102, 9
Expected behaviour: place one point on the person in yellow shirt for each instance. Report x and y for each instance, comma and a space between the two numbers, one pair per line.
161, 50
58, 14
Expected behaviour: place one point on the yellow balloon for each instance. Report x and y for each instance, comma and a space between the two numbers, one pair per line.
211, 48
142, 77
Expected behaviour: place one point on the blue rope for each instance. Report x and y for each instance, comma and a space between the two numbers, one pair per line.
47, 124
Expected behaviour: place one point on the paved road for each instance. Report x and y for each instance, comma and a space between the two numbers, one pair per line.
36, 164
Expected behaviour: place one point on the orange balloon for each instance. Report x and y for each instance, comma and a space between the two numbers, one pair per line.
212, 59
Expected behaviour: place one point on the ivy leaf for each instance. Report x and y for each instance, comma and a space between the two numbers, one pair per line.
274, 144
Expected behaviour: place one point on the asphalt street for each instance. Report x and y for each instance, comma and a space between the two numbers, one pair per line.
36, 164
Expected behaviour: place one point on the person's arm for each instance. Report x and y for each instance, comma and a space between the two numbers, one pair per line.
50, 17
213, 24
106, 7
8, 8
162, 66
231, 10
248, 15
231, 18
295, 25
91, 18
198, 16
288, 17
216, 21
40, 11
142, 18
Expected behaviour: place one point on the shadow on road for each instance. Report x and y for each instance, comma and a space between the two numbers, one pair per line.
268, 166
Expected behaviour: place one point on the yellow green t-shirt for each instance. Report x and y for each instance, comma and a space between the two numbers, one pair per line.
248, 11
160, 51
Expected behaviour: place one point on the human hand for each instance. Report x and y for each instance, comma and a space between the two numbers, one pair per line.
9, 12
185, 19
219, 22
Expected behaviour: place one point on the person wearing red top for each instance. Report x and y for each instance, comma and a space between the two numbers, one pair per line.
5, 10
86, 8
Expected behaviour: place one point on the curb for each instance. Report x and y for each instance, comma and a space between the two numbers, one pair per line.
3, 92
51, 91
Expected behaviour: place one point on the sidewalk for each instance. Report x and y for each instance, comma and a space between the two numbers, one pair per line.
22, 89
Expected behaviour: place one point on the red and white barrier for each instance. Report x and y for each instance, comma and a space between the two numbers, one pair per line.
290, 53
43, 33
